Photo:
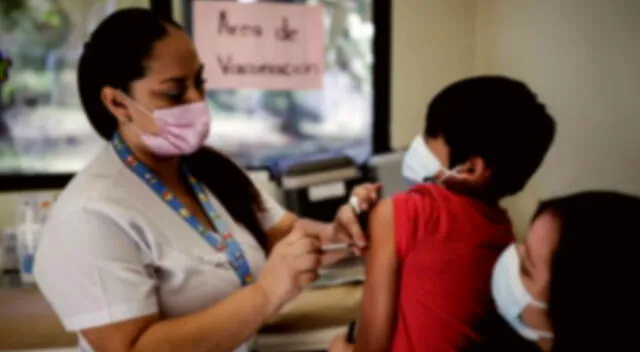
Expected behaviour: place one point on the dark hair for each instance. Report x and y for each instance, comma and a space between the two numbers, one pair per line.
115, 56
498, 119
593, 292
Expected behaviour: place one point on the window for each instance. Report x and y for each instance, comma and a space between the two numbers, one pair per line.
256, 127
43, 130
42, 125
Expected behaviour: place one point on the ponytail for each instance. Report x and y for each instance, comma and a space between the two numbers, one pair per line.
90, 84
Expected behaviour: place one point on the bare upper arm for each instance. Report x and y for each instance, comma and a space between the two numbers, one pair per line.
281, 228
377, 318
118, 337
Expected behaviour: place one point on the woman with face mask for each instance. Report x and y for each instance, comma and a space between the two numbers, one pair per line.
160, 243
570, 286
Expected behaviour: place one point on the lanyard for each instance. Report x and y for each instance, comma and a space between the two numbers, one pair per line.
225, 243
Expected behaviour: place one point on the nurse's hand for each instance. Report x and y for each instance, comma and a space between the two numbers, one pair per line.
292, 264
346, 226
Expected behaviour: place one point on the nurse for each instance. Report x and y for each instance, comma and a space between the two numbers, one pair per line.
157, 244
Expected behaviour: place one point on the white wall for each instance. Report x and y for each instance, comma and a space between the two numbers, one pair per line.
583, 58
432, 46
7, 202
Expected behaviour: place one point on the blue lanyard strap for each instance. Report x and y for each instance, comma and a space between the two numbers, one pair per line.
224, 242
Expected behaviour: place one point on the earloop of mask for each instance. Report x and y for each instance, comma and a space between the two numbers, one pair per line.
448, 173
129, 120
538, 304
135, 103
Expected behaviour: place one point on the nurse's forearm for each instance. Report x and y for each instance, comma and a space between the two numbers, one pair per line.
327, 234
222, 327
283, 227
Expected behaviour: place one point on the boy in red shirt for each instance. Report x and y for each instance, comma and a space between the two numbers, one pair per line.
432, 248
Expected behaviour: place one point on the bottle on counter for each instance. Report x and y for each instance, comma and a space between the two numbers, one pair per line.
28, 233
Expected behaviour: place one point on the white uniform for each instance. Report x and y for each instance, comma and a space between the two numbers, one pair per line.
112, 250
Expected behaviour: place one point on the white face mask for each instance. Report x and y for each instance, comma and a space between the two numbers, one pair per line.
512, 297
420, 164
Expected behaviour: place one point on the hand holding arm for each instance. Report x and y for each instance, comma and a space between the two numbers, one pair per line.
346, 226
344, 229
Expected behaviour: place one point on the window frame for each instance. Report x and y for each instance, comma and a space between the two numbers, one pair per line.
381, 125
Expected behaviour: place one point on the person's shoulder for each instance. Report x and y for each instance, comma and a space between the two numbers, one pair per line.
380, 224
101, 181
423, 198
379, 219
435, 192
425, 192
382, 210
435, 198
84, 224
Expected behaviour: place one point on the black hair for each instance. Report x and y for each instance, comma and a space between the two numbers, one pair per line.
497, 119
115, 56
593, 298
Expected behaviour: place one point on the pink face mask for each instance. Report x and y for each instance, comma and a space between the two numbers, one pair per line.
182, 129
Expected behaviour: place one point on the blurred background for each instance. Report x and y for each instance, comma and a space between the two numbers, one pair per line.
43, 128
582, 57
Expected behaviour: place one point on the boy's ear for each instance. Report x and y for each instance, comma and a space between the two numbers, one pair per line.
475, 171
470, 176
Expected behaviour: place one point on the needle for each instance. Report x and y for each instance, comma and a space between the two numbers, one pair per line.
334, 247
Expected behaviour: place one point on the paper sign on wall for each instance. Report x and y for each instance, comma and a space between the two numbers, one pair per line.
260, 46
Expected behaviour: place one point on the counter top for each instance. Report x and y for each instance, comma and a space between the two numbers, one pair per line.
69, 349
25, 313
27, 321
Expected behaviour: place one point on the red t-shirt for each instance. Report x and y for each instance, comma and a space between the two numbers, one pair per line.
447, 244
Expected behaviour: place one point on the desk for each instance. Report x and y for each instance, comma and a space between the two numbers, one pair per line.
64, 349
28, 322
310, 321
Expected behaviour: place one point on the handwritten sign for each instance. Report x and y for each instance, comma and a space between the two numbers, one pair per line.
260, 46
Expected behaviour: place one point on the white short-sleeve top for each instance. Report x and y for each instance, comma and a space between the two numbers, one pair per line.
112, 250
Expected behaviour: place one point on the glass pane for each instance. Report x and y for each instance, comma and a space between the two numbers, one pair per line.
256, 127
42, 126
